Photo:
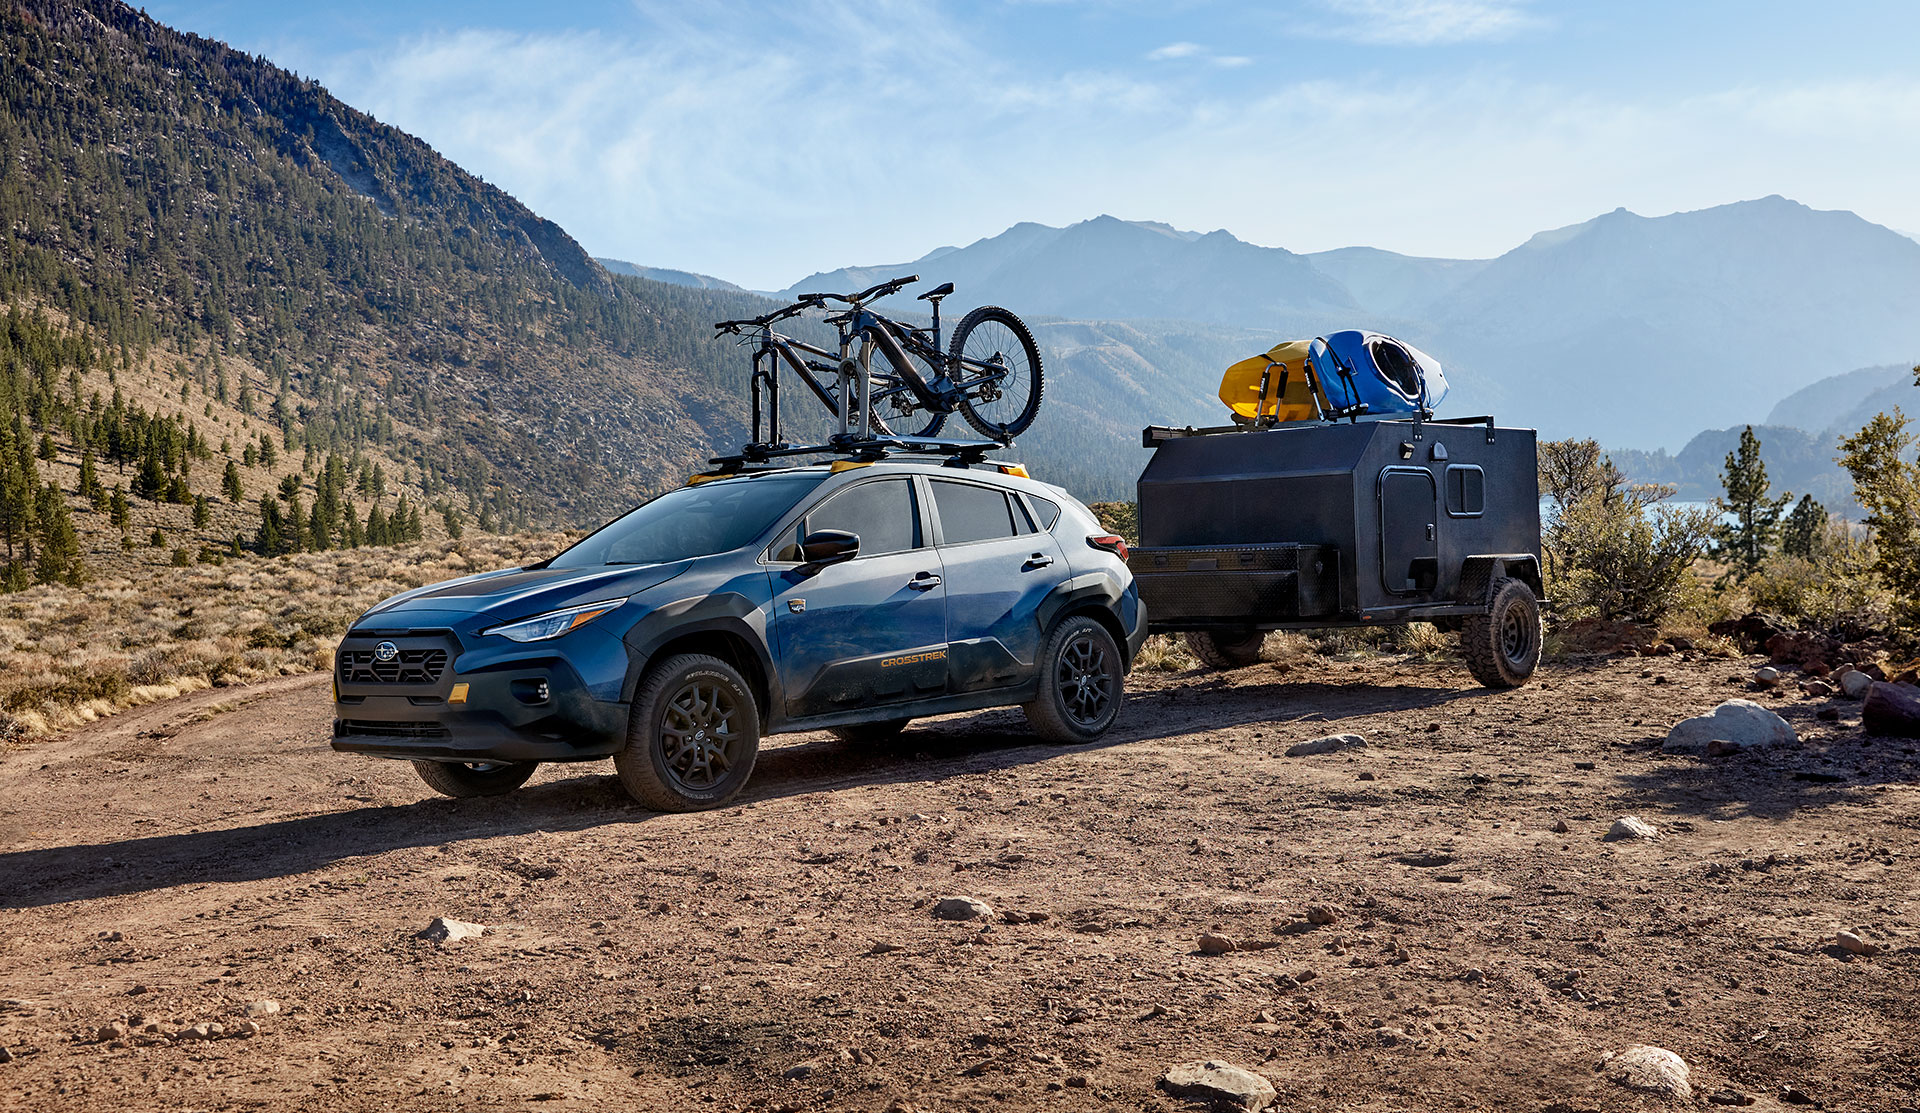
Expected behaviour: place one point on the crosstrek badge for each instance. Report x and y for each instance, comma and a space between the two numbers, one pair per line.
915, 658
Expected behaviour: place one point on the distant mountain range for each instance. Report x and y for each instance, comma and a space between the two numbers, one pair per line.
1637, 331
669, 276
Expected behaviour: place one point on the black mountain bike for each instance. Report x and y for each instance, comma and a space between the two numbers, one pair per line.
990, 372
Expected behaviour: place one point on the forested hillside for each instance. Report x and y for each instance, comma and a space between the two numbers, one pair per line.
230, 297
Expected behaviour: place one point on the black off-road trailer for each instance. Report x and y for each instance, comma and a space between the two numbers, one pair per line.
1365, 523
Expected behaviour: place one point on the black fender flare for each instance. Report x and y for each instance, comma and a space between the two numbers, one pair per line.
1086, 591
726, 612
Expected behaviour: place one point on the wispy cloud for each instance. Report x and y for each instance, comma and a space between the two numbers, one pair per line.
1183, 51
1175, 50
1425, 22
723, 144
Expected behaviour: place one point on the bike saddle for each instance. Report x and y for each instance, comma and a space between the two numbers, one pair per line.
937, 292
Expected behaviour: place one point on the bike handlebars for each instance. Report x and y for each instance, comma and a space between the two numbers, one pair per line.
815, 301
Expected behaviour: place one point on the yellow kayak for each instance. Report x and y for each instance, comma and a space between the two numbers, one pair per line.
1289, 392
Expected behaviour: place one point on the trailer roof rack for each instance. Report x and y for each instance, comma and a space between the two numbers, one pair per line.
959, 453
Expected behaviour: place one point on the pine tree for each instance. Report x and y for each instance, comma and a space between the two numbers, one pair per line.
376, 531
90, 487
59, 545
271, 539
1744, 542
1805, 530
451, 517
230, 484
118, 512
200, 514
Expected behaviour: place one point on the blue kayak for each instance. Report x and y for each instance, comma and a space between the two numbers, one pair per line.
1368, 373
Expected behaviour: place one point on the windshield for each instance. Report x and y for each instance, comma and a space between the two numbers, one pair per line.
714, 517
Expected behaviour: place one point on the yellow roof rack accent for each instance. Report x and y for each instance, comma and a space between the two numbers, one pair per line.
1012, 469
839, 466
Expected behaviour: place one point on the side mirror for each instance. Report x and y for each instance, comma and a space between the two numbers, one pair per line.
828, 546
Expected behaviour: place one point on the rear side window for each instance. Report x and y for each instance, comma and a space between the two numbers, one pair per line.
882, 514
1044, 511
970, 513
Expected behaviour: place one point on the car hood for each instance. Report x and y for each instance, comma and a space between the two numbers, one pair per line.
514, 593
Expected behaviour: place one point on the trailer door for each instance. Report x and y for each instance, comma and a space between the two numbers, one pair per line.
1409, 531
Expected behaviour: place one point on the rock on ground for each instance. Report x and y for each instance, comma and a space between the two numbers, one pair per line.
1327, 745
1892, 711
1221, 1083
1737, 720
1855, 683
1653, 1069
443, 930
1632, 827
1211, 944
265, 1007
962, 908
1848, 941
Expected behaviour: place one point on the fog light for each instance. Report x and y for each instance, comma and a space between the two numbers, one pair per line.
533, 692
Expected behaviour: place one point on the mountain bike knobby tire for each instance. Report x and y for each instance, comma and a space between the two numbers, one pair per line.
993, 330
889, 421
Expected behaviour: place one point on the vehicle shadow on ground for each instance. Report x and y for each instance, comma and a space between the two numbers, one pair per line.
990, 741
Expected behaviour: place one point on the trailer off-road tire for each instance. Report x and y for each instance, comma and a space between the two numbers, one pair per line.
1502, 647
1226, 649
461, 779
693, 736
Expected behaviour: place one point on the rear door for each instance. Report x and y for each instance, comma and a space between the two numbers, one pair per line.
871, 630
999, 568
1409, 531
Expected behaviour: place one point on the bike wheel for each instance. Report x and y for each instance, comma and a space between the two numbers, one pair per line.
990, 334
896, 410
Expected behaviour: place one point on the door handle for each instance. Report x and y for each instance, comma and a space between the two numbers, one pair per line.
1037, 560
925, 581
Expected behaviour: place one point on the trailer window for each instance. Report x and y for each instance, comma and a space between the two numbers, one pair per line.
1466, 491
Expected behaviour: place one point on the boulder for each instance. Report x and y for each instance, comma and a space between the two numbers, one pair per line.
1737, 720
1632, 827
1649, 1069
1220, 1083
443, 930
962, 908
1330, 744
1854, 684
1211, 944
1752, 630
1766, 676
1808, 652
1891, 710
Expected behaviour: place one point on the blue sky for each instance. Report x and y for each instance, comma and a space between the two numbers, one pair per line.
762, 142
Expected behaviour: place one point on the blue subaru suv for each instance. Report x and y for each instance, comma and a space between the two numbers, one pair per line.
851, 596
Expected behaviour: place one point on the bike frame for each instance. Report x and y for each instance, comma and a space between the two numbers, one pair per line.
855, 370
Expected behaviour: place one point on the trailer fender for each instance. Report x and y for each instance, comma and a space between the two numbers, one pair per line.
1478, 574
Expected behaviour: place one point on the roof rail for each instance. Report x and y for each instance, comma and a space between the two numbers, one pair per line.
958, 452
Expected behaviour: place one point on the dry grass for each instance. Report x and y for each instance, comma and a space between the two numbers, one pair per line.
72, 655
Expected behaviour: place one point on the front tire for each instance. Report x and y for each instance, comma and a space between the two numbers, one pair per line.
984, 335
1226, 649
1082, 681
463, 779
1502, 647
693, 736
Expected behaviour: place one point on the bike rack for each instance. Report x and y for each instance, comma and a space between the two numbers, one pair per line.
959, 453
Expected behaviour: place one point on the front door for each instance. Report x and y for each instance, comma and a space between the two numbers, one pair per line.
1409, 531
867, 631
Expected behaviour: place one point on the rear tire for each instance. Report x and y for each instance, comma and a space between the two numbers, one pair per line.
1502, 647
1082, 681
693, 736
869, 733
1226, 649
991, 331
474, 778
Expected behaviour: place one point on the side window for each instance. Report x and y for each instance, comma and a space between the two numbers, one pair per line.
881, 513
970, 513
1046, 513
1466, 491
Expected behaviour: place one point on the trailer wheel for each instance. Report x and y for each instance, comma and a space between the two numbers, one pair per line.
1226, 649
1502, 647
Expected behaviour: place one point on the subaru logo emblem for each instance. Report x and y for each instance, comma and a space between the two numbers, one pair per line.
385, 651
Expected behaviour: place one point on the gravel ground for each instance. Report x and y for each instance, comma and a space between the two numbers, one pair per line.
177, 863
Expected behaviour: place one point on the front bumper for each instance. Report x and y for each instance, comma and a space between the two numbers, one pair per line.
495, 715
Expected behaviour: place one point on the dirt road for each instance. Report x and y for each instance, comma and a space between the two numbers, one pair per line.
173, 865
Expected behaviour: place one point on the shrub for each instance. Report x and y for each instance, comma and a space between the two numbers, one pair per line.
1613, 552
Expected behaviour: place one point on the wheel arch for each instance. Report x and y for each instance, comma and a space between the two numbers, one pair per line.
1096, 595
718, 626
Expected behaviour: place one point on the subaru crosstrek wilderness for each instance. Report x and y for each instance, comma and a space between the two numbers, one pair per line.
851, 597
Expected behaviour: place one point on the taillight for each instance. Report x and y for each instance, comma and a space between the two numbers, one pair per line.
1115, 545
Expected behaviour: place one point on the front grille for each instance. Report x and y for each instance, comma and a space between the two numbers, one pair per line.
412, 666
364, 727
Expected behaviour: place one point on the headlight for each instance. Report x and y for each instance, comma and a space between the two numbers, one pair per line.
554, 623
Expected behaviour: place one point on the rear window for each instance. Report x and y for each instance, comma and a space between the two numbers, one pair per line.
970, 513
1045, 511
